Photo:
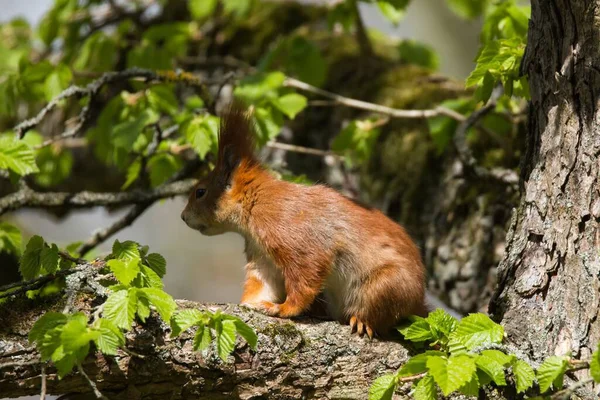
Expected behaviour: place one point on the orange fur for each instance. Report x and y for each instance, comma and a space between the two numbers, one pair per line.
305, 240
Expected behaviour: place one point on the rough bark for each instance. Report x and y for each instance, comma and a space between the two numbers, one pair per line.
305, 358
549, 289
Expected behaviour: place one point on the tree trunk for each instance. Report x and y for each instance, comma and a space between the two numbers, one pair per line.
294, 359
549, 289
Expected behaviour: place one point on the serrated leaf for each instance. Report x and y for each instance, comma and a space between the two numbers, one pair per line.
417, 53
127, 250
126, 133
143, 308
46, 322
524, 375
16, 156
120, 308
225, 338
595, 365
75, 333
30, 264
491, 367
185, 319
470, 388
49, 259
157, 263
202, 338
150, 279
383, 388
162, 167
418, 331
10, 238
162, 301
133, 172
268, 124
110, 337
476, 330
259, 86
551, 373
124, 270
451, 373
441, 323
202, 133
57, 81
418, 363
500, 357
290, 104
246, 332
425, 389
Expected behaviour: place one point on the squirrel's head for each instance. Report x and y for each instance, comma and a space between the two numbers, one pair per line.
212, 207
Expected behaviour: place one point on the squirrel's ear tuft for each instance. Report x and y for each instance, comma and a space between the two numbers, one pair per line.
236, 137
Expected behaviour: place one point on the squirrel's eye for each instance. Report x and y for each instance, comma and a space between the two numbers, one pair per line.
200, 193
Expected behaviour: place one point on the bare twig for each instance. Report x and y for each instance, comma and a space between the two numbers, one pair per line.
92, 384
567, 392
22, 363
43, 389
301, 149
27, 198
376, 108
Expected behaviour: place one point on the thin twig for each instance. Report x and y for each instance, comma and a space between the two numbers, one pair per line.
376, 108
43, 389
567, 392
33, 284
22, 363
92, 384
302, 149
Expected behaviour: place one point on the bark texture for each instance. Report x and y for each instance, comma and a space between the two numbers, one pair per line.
305, 358
549, 283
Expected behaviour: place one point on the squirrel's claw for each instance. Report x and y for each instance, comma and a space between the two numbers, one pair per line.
361, 328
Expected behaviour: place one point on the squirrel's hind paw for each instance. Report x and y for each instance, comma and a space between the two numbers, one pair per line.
360, 327
266, 307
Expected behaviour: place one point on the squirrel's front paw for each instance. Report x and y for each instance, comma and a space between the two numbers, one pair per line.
266, 307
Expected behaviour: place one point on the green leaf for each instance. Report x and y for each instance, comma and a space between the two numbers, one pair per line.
418, 363
476, 330
451, 373
55, 165
238, 8
383, 388
500, 357
127, 250
126, 133
149, 278
245, 331
268, 124
162, 301
162, 167
418, 331
420, 54
10, 238
133, 173
49, 259
162, 99
202, 338
157, 263
290, 104
441, 323
493, 368
202, 133
425, 389
120, 308
225, 338
200, 9
357, 139
257, 87
143, 308
124, 271
393, 10
16, 156
185, 319
45, 323
524, 375
442, 128
76, 334
595, 365
110, 338
471, 388
551, 373
31, 264
57, 81
469, 9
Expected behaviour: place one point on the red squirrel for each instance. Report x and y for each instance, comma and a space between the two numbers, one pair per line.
303, 241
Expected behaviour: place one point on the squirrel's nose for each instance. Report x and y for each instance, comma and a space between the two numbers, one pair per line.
183, 216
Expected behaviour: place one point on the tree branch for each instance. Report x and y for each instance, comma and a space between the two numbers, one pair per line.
27, 198
304, 358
